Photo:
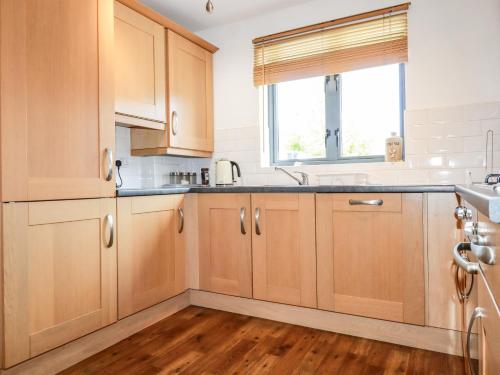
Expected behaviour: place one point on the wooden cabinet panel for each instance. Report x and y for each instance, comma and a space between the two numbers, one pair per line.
443, 232
190, 91
151, 253
225, 243
284, 248
489, 329
56, 107
140, 74
59, 273
370, 257
190, 98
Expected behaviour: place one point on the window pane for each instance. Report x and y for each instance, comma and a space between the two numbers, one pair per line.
370, 110
300, 115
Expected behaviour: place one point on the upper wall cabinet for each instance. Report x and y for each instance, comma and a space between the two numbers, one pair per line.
57, 101
140, 71
190, 93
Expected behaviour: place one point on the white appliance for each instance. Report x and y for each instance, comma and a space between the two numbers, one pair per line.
224, 172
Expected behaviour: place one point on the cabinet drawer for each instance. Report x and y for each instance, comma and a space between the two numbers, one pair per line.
367, 202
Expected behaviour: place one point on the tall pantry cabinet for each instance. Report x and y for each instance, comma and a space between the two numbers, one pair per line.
56, 150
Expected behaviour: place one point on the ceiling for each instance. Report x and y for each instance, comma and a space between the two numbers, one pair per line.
191, 13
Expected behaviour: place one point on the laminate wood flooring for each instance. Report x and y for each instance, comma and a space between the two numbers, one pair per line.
207, 342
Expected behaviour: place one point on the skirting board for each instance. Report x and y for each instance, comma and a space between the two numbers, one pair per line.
67, 355
428, 338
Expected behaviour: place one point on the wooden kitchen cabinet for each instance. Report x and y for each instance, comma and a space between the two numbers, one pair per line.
59, 273
443, 232
371, 255
190, 102
140, 72
57, 100
489, 328
225, 244
284, 248
151, 251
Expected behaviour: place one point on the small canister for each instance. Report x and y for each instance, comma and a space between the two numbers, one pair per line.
192, 178
205, 180
184, 178
174, 178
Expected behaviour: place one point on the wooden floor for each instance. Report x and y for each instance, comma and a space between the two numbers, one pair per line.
203, 341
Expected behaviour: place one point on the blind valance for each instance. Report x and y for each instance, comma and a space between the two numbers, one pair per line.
356, 42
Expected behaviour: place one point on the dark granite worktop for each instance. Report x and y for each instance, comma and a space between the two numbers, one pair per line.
289, 189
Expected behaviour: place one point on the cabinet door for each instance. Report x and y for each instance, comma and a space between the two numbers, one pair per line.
489, 329
140, 74
443, 232
151, 253
59, 273
190, 93
284, 248
225, 244
370, 257
57, 99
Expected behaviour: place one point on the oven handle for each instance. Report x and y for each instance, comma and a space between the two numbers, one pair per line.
469, 267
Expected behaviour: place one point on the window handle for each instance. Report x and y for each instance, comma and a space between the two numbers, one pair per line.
328, 134
337, 137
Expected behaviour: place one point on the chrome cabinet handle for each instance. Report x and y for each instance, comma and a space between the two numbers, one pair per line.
109, 164
477, 313
109, 223
469, 267
370, 202
181, 219
175, 123
257, 221
486, 254
242, 220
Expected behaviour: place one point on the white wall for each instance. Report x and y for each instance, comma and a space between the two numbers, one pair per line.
454, 62
454, 50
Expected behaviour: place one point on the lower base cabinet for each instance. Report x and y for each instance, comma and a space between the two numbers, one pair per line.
59, 279
151, 251
284, 248
371, 255
225, 244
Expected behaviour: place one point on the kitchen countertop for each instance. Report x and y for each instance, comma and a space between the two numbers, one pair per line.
288, 189
485, 198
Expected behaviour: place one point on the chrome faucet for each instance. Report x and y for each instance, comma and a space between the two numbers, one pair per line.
304, 180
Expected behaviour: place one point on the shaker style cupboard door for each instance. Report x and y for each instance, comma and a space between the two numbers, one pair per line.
59, 273
225, 244
190, 91
57, 99
489, 329
140, 69
151, 251
370, 255
444, 231
284, 248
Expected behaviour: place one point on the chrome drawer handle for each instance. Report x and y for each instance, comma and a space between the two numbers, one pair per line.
370, 202
257, 222
477, 313
109, 164
469, 267
181, 219
109, 223
242, 220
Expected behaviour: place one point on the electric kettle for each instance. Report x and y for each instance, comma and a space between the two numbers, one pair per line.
224, 172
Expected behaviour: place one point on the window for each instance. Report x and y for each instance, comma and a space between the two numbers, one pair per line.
336, 119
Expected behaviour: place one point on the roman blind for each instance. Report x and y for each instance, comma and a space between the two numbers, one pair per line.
365, 40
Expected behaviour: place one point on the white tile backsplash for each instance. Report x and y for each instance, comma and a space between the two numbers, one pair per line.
442, 146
